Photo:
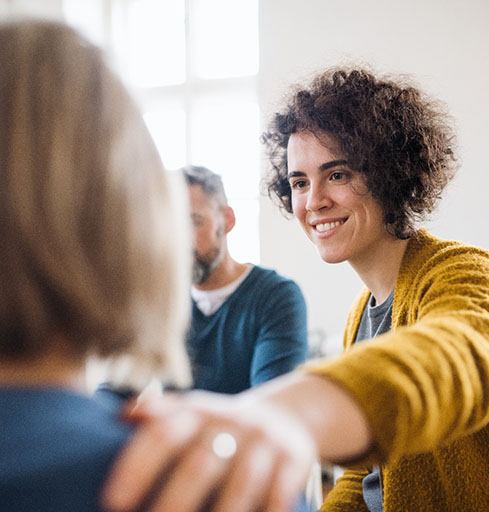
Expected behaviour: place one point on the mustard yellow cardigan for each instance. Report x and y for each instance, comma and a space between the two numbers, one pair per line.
424, 386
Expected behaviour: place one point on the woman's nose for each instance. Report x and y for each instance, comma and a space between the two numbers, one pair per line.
318, 198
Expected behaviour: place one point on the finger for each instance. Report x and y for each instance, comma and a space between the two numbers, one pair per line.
138, 410
247, 484
287, 484
146, 456
200, 466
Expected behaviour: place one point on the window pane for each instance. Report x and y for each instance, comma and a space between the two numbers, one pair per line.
87, 16
167, 127
244, 242
225, 38
149, 40
225, 139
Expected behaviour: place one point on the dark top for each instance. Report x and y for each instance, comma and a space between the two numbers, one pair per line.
376, 320
260, 332
56, 447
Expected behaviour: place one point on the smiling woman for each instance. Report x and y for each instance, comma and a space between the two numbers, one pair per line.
332, 203
400, 139
358, 159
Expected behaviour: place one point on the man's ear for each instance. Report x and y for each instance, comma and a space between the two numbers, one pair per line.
229, 219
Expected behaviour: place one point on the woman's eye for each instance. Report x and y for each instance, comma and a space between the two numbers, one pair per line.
298, 184
338, 176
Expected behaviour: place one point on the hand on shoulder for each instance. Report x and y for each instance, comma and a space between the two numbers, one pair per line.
205, 451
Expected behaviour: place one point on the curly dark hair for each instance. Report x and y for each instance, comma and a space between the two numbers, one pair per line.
399, 139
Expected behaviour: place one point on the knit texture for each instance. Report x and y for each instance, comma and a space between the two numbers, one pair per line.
259, 333
424, 386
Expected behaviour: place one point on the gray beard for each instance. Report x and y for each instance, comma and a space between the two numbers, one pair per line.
203, 268
201, 271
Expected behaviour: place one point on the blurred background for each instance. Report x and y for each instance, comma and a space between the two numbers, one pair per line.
209, 73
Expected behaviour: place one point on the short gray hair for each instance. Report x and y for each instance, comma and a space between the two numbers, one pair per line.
207, 180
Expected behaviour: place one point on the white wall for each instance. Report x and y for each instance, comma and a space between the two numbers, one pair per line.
444, 45
38, 8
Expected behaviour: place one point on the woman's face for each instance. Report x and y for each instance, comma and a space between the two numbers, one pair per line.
332, 202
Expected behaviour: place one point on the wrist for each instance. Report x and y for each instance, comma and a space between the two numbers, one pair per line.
328, 413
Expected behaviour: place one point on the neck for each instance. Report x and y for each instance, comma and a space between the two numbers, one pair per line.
379, 270
226, 272
53, 370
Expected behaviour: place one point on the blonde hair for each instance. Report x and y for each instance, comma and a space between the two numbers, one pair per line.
92, 245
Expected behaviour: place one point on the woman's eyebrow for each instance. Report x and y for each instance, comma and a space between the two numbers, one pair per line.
323, 167
294, 174
332, 163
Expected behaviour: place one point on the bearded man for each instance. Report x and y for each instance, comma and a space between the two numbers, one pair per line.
249, 324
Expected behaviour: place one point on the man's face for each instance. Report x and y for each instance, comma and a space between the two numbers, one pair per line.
209, 233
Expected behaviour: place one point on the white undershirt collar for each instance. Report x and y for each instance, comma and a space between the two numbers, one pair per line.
209, 301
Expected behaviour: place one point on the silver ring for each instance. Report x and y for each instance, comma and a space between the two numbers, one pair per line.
224, 445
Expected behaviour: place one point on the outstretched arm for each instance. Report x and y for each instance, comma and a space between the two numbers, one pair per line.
278, 428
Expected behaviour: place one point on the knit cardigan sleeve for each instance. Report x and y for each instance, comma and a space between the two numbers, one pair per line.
347, 495
425, 384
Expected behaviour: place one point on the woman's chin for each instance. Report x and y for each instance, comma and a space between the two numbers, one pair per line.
329, 257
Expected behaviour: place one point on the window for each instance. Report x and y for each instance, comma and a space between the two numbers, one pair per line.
192, 64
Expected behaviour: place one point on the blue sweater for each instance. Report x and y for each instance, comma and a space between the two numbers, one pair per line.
55, 449
259, 333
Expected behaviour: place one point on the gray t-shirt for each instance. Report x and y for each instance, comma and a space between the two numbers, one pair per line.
376, 320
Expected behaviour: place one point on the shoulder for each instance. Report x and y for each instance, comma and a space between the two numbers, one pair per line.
73, 424
69, 441
274, 288
425, 246
271, 278
269, 290
429, 258
441, 276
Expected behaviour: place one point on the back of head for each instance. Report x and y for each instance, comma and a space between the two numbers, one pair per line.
386, 128
88, 247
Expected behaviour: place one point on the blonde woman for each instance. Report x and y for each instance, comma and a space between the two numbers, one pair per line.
90, 264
